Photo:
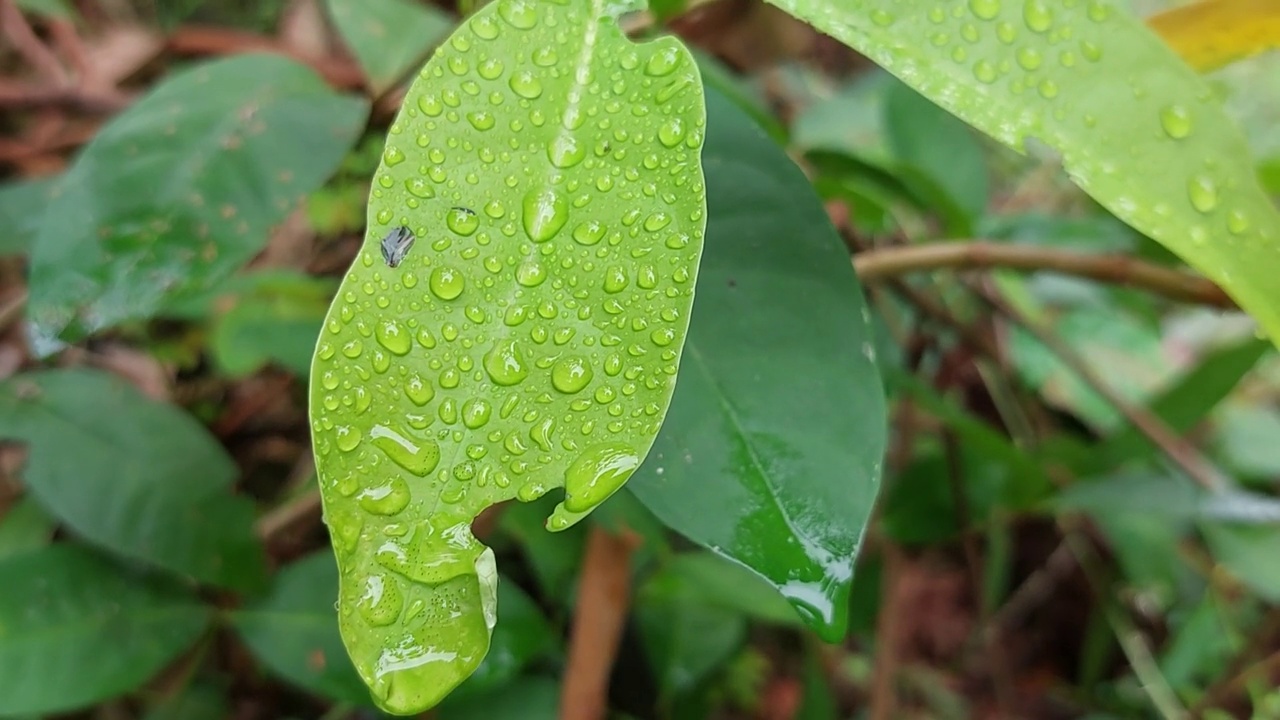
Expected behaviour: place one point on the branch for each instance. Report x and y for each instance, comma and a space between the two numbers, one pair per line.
604, 594
1181, 452
28, 44
980, 254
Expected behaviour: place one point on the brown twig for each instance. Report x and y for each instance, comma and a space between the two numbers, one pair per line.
1181, 452
604, 593
978, 254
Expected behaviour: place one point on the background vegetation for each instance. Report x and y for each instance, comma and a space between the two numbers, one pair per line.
1077, 516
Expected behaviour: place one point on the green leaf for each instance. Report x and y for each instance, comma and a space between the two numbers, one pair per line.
527, 338
684, 638
74, 629
388, 36
936, 144
141, 478
1137, 129
762, 459
524, 699
1249, 553
713, 580
24, 526
22, 207
521, 636
294, 631
276, 319
180, 190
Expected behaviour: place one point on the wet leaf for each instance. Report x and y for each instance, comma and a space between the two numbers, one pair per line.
81, 630
230, 147
1136, 128
388, 36
526, 339
138, 477
771, 453
1209, 35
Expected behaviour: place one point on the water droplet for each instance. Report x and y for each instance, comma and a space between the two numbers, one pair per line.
1098, 11
571, 375
520, 13
985, 9
615, 279
481, 120
662, 337
347, 438
589, 233
353, 349
446, 283
462, 221
1048, 89
984, 71
1176, 121
418, 390
531, 273
596, 474
418, 458
387, 499
663, 61
1037, 15
393, 155
881, 17
545, 212
475, 413
1029, 58
393, 336
1237, 222
545, 56
1203, 193
382, 600
490, 69
565, 151
672, 132
504, 364
526, 85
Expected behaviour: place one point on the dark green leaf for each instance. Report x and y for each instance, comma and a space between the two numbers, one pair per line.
24, 527
74, 629
22, 207
684, 637
388, 36
294, 631
180, 190
278, 320
1249, 553
771, 452
525, 699
934, 142
521, 636
138, 477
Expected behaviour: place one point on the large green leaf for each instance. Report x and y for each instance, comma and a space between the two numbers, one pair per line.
771, 453
276, 318
22, 206
181, 189
74, 629
529, 337
24, 527
388, 36
1137, 129
138, 477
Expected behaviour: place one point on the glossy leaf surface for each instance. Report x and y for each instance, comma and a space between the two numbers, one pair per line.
1136, 128
139, 477
74, 629
180, 190
771, 453
523, 335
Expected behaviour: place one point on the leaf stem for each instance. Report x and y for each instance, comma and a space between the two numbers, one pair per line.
982, 254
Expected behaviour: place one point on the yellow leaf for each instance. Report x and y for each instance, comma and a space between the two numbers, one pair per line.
1214, 33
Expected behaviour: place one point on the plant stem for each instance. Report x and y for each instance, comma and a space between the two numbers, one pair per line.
979, 254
